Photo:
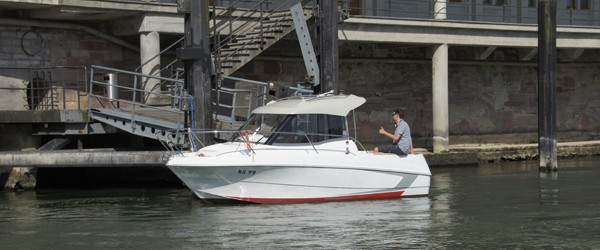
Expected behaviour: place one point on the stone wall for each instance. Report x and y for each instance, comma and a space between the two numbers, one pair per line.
24, 47
490, 101
44, 47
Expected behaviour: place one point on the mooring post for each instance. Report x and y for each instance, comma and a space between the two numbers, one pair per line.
547, 85
198, 62
327, 32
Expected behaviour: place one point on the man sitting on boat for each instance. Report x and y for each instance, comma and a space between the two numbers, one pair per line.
401, 139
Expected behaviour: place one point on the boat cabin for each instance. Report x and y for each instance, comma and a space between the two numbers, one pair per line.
302, 119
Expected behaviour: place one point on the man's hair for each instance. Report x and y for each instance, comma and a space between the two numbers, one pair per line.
400, 112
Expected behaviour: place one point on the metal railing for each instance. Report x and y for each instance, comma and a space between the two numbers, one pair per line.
194, 143
132, 96
503, 11
235, 106
47, 88
257, 95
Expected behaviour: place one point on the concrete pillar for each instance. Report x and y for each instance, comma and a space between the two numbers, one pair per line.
18, 137
150, 59
439, 63
21, 179
439, 9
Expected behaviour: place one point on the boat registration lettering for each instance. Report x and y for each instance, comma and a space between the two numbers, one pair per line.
244, 171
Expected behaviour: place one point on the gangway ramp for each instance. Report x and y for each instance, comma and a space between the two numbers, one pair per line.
149, 123
118, 98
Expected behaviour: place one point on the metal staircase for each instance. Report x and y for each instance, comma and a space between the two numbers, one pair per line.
232, 56
255, 31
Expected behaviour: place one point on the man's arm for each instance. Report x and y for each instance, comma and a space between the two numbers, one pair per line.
394, 137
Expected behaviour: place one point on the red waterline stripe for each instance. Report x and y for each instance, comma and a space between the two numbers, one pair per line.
395, 194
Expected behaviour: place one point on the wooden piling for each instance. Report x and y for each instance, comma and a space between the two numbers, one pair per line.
547, 85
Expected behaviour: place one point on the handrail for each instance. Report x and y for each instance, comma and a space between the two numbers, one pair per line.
500, 11
43, 84
176, 98
247, 26
192, 138
233, 106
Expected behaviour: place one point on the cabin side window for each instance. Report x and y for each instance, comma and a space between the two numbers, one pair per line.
314, 127
325, 127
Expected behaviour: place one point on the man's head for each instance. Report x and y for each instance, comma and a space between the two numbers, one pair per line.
397, 114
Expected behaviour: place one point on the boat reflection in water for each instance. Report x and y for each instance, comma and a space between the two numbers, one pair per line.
298, 149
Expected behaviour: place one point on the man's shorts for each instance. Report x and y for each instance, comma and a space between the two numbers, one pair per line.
390, 149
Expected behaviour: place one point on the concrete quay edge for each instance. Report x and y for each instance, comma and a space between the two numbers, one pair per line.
458, 155
472, 154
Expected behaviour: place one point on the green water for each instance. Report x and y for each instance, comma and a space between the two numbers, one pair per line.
506, 206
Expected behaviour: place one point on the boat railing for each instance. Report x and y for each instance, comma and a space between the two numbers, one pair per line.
194, 143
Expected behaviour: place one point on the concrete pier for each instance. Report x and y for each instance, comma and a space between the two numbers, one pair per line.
458, 155
74, 158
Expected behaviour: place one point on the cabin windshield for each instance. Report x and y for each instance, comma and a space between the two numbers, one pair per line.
278, 128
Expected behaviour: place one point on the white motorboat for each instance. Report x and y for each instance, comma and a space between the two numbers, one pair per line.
297, 150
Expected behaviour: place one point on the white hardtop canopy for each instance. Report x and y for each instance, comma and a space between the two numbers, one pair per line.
339, 105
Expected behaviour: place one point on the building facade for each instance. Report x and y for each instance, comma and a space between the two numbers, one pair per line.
465, 71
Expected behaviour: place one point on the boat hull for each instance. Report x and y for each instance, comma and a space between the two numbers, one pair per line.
288, 183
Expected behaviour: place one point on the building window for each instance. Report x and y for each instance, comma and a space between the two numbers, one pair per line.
532, 4
578, 4
494, 2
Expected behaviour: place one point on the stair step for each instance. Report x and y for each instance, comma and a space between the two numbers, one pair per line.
250, 38
238, 49
246, 44
229, 57
278, 20
265, 32
234, 54
285, 13
231, 61
241, 49
275, 26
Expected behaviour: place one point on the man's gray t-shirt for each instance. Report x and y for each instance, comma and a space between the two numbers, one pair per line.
403, 129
